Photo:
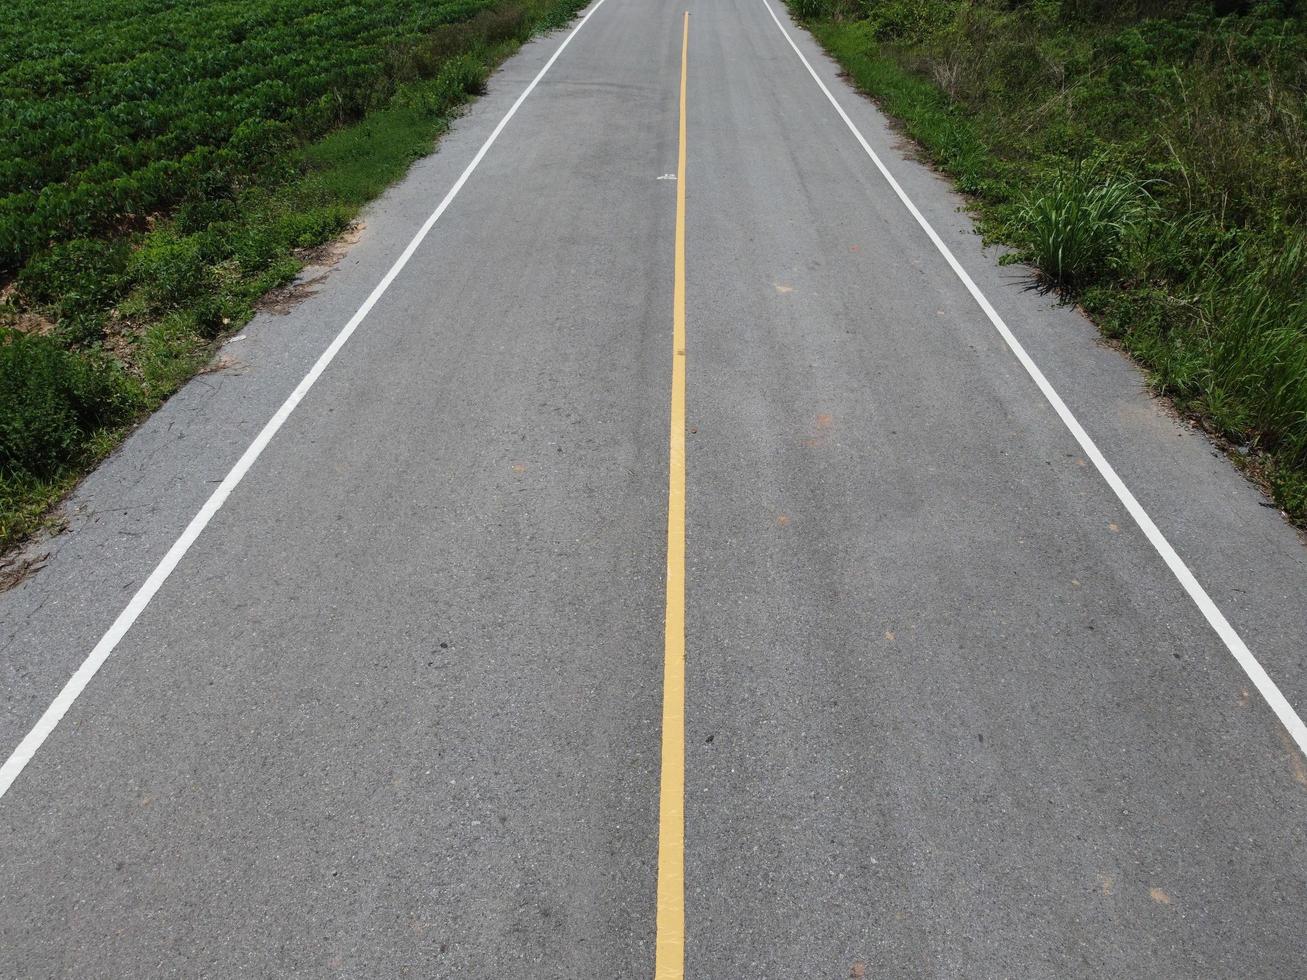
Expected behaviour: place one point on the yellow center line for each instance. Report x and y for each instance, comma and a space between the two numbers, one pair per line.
669, 943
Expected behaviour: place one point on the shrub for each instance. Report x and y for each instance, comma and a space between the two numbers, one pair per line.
51, 402
460, 77
908, 21
823, 9
82, 276
170, 269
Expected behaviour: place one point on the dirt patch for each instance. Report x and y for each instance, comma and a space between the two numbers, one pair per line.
24, 321
283, 299
221, 363
332, 252
319, 263
119, 339
17, 567
33, 323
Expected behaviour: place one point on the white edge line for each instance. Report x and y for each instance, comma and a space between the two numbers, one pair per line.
1256, 673
28, 747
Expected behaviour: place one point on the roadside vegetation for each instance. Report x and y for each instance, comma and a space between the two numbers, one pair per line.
163, 165
1149, 157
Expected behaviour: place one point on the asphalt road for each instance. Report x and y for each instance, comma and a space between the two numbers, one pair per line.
397, 710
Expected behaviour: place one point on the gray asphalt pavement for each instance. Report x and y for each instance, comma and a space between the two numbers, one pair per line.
397, 711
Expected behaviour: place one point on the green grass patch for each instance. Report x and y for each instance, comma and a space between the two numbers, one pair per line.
108, 312
1148, 157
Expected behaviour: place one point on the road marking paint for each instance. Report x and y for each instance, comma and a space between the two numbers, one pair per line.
28, 747
1233, 642
669, 940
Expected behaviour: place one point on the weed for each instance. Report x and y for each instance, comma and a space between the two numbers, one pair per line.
170, 269
1075, 226
51, 401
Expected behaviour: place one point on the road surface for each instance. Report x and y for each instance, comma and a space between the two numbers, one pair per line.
396, 707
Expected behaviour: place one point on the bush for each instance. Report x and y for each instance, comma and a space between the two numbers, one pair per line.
908, 21
810, 9
826, 9
51, 402
460, 77
82, 276
170, 269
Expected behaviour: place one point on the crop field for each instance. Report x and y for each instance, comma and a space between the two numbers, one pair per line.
114, 110
162, 162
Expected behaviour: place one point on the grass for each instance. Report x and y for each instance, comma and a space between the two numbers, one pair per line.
97, 330
1075, 227
1149, 158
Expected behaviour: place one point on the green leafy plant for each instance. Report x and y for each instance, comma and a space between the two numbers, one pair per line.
52, 401
1076, 225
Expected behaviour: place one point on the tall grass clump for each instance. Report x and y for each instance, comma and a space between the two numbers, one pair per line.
811, 9
1254, 341
1075, 227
